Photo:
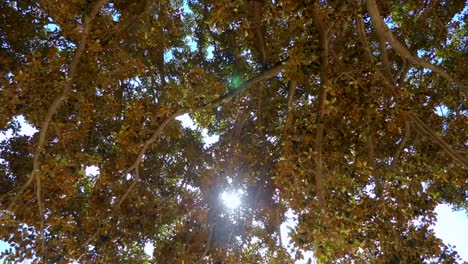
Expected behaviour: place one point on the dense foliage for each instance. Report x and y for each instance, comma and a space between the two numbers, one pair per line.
352, 114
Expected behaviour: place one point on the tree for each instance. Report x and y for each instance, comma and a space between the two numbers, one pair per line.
350, 113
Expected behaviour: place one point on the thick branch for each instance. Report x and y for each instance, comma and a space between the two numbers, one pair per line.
382, 29
362, 35
384, 54
320, 23
292, 92
208, 242
259, 32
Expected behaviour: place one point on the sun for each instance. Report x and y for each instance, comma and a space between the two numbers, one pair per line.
232, 199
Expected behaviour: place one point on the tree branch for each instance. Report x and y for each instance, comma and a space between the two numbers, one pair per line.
387, 71
40, 207
362, 35
58, 100
402, 144
223, 99
371, 157
35, 173
137, 178
383, 30
258, 6
401, 74
208, 242
423, 129
289, 118
418, 124
323, 29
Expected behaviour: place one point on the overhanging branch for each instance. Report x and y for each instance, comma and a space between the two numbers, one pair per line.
59, 100
223, 99
383, 30
35, 173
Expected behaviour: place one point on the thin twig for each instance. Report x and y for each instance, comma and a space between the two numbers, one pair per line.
402, 144
371, 158
289, 117
401, 74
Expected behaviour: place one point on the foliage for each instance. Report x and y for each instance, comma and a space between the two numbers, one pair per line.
352, 114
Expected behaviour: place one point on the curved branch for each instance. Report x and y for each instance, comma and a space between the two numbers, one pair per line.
137, 178
58, 100
35, 174
383, 30
362, 35
231, 94
401, 74
223, 99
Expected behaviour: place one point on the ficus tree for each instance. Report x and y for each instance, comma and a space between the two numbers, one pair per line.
351, 114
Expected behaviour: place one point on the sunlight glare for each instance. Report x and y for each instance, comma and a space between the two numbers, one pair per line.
231, 200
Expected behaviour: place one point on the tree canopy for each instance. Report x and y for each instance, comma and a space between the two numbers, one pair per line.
351, 114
